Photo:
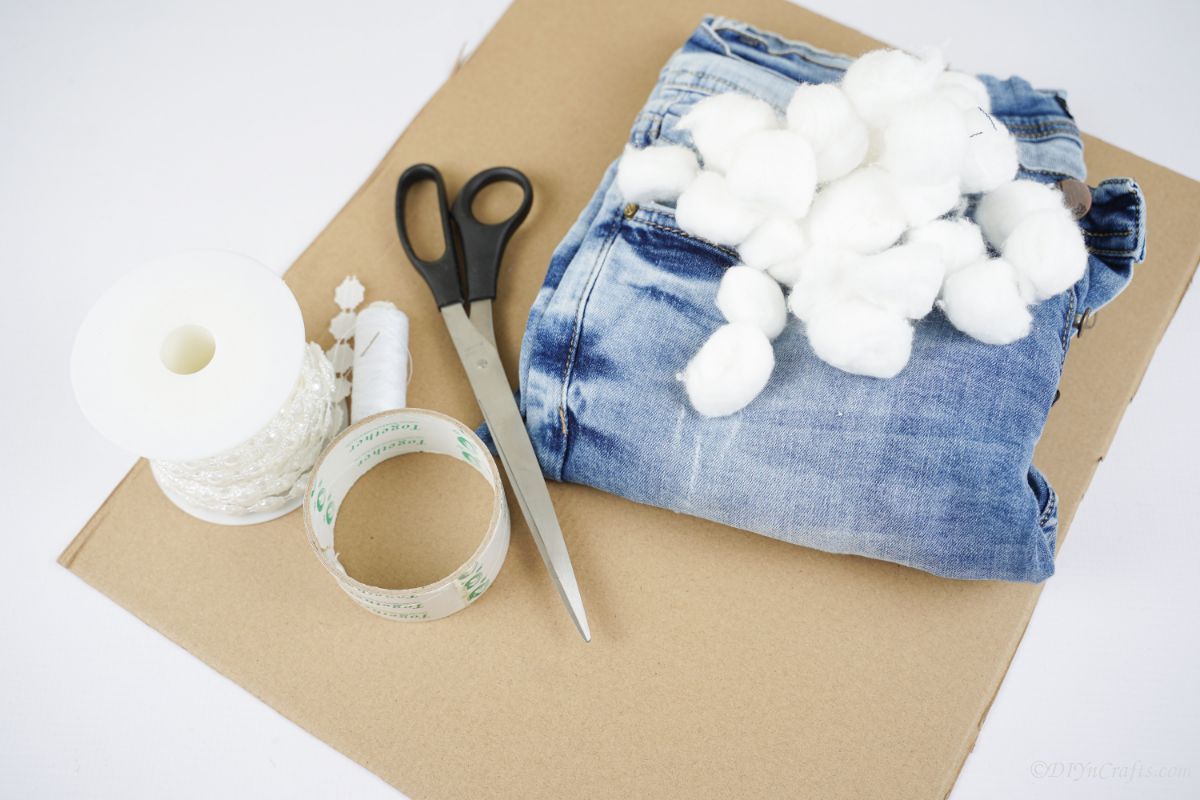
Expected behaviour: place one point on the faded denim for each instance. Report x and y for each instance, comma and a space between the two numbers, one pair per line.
932, 469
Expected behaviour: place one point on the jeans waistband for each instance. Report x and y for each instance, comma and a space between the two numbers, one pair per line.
724, 55
796, 60
804, 63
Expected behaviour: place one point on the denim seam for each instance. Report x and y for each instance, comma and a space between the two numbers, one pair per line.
656, 127
1068, 326
681, 232
1041, 140
576, 330
1141, 217
1101, 234
649, 125
1109, 252
1044, 171
1051, 506
1049, 173
1039, 133
786, 51
1064, 126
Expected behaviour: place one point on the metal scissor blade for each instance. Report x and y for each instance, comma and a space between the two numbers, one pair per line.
488, 381
481, 318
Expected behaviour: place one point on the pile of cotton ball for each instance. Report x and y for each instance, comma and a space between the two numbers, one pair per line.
855, 204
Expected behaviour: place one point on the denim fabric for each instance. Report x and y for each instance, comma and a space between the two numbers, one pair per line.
932, 469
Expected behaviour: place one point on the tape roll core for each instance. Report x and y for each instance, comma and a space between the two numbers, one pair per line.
369, 443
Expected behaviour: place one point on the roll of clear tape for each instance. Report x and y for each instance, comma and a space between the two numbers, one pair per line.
365, 445
381, 363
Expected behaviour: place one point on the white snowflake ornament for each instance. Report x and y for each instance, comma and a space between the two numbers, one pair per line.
342, 326
349, 294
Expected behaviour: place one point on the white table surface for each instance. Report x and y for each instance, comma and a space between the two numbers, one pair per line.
143, 128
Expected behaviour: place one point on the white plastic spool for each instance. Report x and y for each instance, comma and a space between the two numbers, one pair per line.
190, 356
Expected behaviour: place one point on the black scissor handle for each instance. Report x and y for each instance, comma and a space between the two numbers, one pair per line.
483, 244
441, 274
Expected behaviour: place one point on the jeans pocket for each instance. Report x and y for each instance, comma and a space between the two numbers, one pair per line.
642, 306
631, 302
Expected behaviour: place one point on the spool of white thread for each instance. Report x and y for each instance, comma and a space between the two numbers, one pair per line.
189, 357
380, 361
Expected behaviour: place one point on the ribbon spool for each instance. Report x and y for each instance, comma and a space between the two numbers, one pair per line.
364, 446
192, 357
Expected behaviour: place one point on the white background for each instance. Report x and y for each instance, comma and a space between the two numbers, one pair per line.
142, 128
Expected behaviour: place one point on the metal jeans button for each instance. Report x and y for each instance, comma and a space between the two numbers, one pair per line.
1077, 195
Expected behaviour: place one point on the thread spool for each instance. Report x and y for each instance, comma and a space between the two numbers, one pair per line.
381, 363
190, 357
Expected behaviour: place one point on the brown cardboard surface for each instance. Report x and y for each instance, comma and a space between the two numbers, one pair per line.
723, 663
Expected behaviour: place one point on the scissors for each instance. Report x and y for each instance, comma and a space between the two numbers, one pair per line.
475, 340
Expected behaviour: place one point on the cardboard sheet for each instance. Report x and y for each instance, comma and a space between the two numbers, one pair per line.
724, 664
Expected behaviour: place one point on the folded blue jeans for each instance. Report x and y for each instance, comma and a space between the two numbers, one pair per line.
932, 469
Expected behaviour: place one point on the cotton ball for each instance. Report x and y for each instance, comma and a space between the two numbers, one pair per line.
775, 171
982, 301
965, 91
720, 122
708, 209
881, 81
924, 141
921, 204
1002, 209
775, 241
821, 279
730, 370
656, 173
991, 155
786, 272
750, 295
822, 114
959, 241
1048, 254
860, 212
904, 279
861, 338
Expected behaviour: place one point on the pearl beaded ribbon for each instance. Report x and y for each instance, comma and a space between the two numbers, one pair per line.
198, 362
271, 469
